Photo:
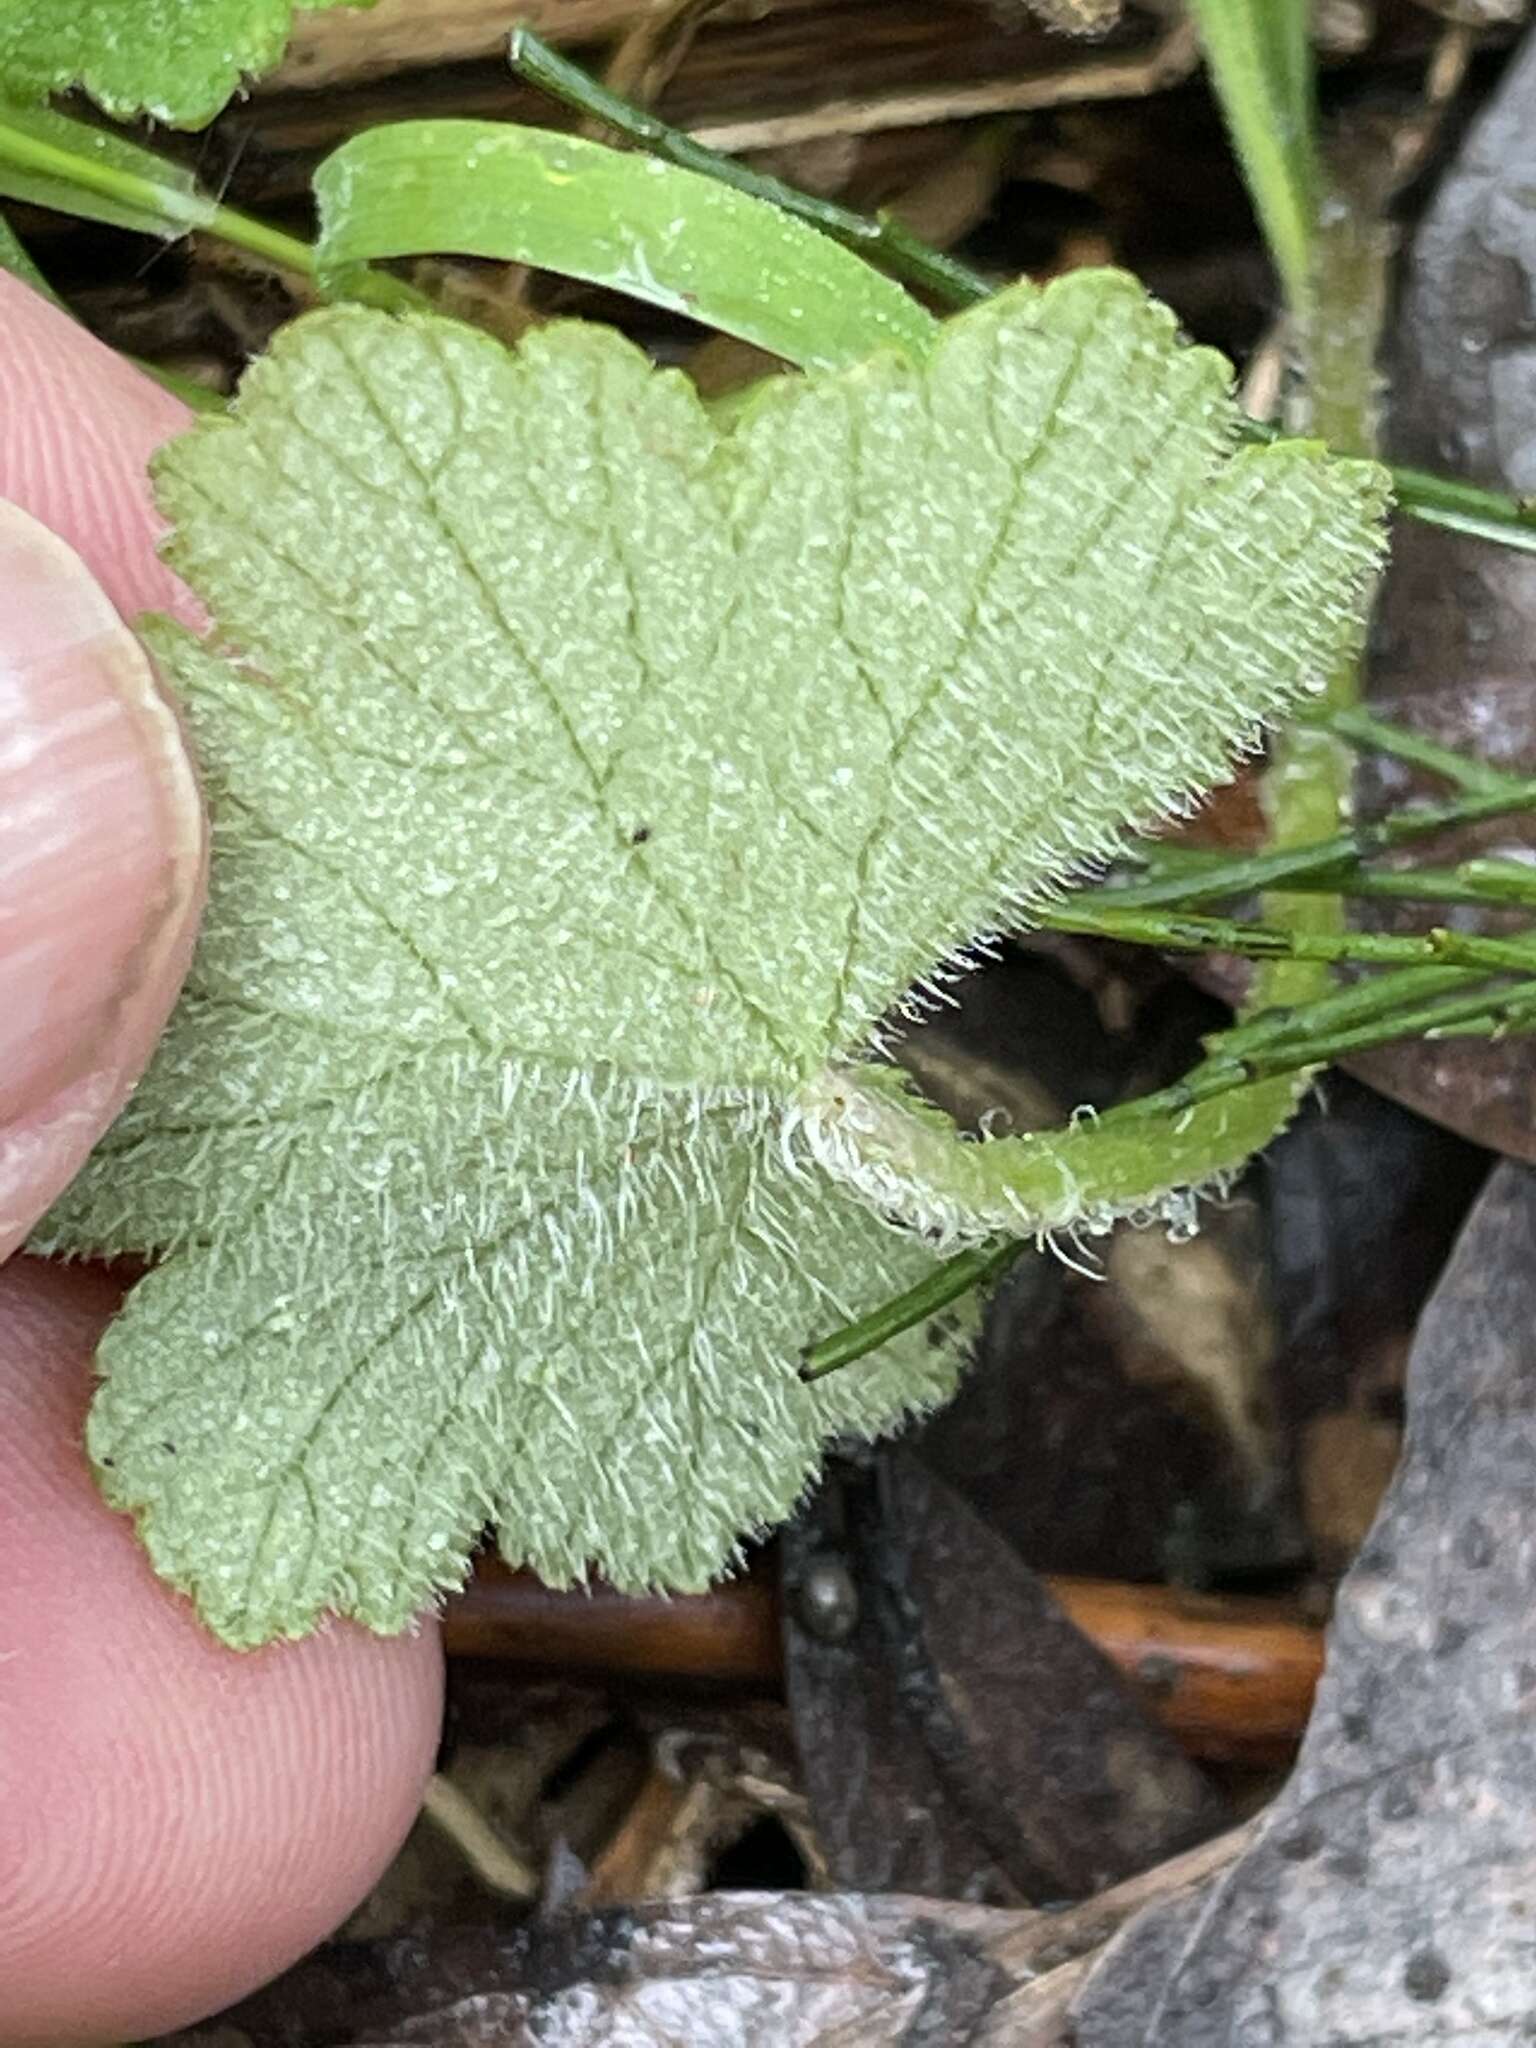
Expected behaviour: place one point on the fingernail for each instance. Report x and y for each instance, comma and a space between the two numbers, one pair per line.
100, 829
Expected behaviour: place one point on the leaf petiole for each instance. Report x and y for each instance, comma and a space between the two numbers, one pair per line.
1242, 1058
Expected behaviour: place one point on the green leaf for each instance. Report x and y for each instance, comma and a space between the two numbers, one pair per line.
176, 60
584, 779
670, 237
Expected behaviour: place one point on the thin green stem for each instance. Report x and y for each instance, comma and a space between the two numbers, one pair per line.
1186, 874
1482, 885
1466, 508
1187, 932
1308, 784
257, 238
1192, 877
1377, 995
170, 209
1284, 28
1477, 1009
936, 1290
1361, 729
168, 204
880, 238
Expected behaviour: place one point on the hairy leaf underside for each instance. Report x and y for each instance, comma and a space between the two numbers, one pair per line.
584, 779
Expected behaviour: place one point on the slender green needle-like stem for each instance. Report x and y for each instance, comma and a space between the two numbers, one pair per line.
1176, 874
1481, 885
1478, 1009
1466, 508
1399, 990
881, 238
936, 1290
1357, 725
1196, 877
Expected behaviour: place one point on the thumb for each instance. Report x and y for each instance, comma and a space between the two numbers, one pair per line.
177, 1821
101, 836
101, 866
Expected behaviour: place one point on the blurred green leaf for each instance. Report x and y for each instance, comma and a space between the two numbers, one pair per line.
178, 61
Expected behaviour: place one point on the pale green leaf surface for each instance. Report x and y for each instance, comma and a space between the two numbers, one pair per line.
176, 60
586, 780
585, 1331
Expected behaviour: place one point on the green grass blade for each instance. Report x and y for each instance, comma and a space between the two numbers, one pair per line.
49, 160
880, 239
1259, 61
670, 237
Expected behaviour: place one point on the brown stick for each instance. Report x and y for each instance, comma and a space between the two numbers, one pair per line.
1231, 1678
730, 1634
